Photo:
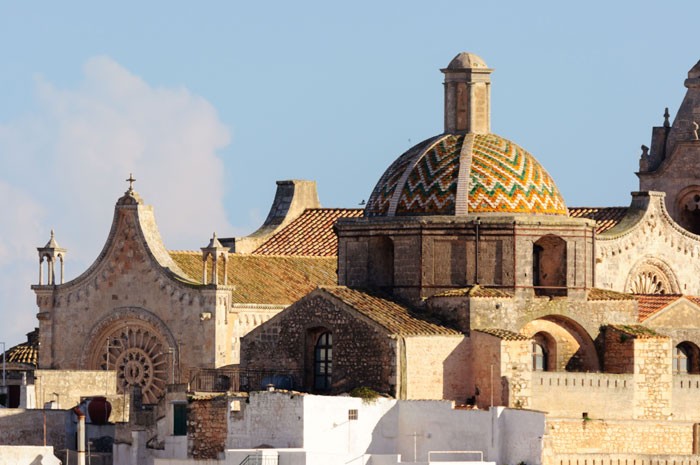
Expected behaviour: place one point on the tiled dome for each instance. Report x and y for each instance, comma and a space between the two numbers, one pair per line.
26, 353
459, 174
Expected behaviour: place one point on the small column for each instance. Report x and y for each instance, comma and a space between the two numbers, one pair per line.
51, 252
216, 250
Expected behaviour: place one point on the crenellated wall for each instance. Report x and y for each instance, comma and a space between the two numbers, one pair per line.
578, 438
600, 395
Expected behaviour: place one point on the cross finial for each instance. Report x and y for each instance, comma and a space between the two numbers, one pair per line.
131, 182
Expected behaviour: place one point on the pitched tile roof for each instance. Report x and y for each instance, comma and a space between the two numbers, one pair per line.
606, 217
260, 279
650, 304
606, 294
395, 317
504, 334
638, 331
310, 234
26, 353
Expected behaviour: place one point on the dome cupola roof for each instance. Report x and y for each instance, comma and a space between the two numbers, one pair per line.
467, 169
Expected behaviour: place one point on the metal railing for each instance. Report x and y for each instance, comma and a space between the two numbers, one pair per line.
241, 380
260, 460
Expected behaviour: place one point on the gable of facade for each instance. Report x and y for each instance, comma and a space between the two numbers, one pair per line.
156, 316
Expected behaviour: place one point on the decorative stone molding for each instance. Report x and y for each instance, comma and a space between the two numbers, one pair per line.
138, 345
654, 222
651, 276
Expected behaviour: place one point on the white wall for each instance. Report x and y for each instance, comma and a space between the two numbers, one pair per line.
319, 425
327, 428
273, 419
28, 455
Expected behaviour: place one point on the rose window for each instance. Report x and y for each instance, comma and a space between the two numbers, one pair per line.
141, 358
648, 282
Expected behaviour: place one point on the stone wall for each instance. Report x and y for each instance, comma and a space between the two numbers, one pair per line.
653, 378
618, 351
67, 388
564, 436
501, 374
514, 313
686, 392
600, 395
435, 367
363, 354
516, 369
432, 254
485, 371
25, 427
207, 427
247, 317
621, 459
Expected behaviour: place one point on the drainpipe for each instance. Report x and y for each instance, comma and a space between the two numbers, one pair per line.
477, 222
81, 435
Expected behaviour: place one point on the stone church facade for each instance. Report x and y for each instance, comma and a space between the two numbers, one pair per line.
158, 316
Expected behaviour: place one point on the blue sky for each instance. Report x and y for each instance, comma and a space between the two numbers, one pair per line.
209, 103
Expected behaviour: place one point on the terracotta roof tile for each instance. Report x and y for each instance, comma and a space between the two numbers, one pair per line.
606, 218
26, 353
311, 234
504, 334
650, 304
638, 331
606, 294
262, 279
395, 317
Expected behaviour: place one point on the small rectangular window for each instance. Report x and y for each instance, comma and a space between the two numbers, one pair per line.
352, 414
179, 419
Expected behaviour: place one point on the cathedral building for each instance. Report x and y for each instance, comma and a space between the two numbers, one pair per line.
466, 277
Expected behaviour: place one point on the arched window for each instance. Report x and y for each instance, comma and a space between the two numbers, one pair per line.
381, 261
680, 360
539, 357
686, 358
323, 362
549, 265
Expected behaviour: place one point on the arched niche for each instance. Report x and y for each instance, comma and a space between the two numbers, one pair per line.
549, 265
688, 209
567, 345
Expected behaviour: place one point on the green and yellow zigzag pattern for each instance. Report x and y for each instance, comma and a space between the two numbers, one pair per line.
431, 188
378, 204
504, 178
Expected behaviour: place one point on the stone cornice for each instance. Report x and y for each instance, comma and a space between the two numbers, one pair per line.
652, 219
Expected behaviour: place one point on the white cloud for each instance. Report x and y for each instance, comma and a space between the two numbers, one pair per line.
64, 166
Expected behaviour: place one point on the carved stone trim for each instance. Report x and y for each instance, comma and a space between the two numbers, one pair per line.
651, 276
138, 345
